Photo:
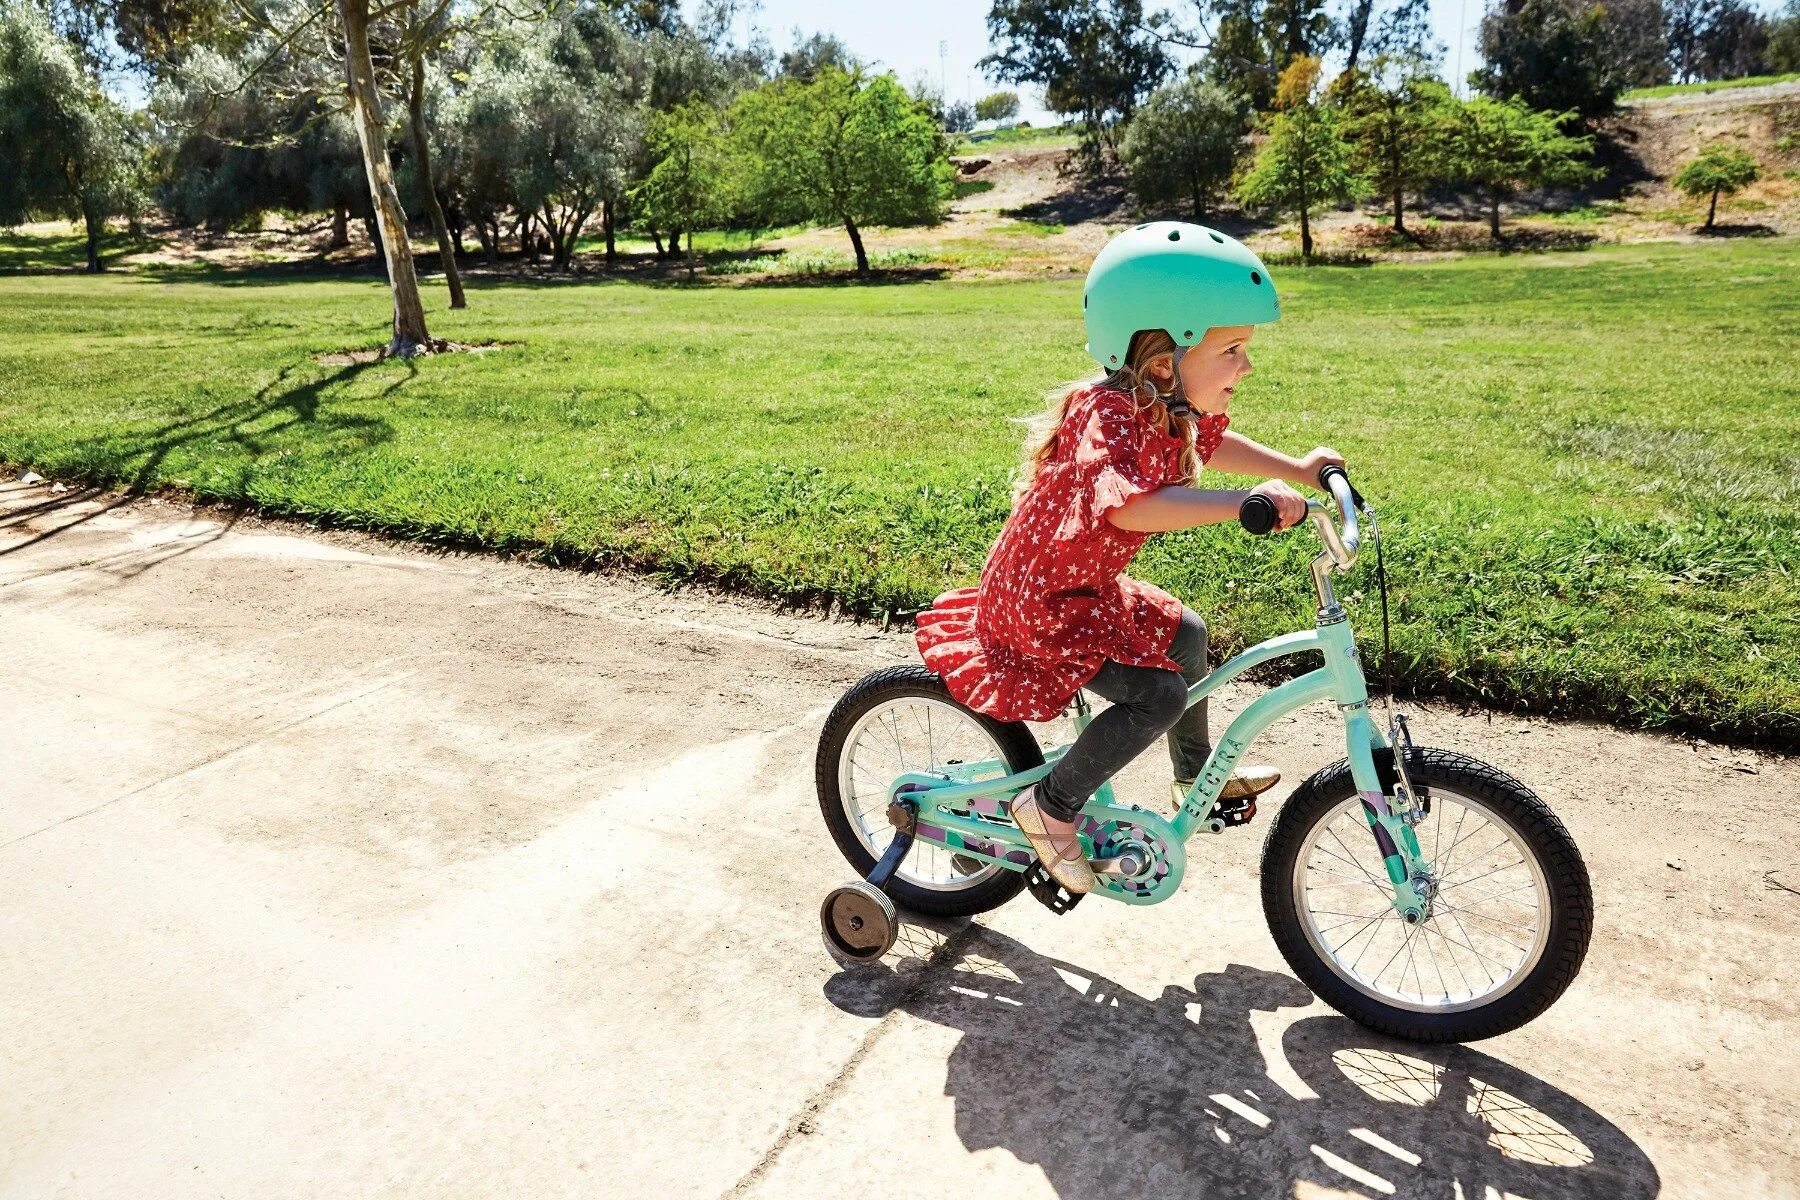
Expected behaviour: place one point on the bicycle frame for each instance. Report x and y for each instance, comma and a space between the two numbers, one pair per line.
969, 812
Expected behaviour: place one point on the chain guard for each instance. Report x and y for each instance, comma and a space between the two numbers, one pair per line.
1115, 837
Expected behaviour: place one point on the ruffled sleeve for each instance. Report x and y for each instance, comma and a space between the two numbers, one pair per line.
1111, 463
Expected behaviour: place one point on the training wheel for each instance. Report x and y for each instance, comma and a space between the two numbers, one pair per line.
859, 923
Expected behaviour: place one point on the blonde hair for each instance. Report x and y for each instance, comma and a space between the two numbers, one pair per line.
1132, 378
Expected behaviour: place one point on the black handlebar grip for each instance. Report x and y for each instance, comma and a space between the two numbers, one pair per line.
1257, 514
1330, 469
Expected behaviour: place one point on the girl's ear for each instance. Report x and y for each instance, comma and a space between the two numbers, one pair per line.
1161, 369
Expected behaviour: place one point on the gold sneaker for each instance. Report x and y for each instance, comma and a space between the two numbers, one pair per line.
1066, 862
1246, 783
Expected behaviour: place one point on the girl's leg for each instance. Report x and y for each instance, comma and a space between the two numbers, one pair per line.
1146, 702
1190, 741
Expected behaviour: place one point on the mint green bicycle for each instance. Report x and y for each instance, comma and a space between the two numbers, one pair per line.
1418, 891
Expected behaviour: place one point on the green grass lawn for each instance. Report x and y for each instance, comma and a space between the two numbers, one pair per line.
1716, 85
1586, 465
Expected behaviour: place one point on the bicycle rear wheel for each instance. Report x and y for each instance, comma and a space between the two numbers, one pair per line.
904, 719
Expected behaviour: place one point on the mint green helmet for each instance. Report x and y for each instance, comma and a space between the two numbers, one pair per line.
1174, 276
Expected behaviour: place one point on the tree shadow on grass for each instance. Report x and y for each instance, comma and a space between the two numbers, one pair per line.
1751, 230
134, 460
1113, 1095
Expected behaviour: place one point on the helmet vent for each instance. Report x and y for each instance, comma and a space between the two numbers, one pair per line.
1216, 236
1174, 235
1187, 334
1145, 225
1255, 277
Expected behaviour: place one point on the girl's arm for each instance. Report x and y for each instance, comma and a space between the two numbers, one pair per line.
1175, 507
1242, 456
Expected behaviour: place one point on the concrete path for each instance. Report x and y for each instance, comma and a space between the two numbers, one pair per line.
334, 868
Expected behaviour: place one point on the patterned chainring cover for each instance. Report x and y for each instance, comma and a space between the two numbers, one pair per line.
1145, 834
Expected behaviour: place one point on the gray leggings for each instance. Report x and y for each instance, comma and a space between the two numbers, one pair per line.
1146, 703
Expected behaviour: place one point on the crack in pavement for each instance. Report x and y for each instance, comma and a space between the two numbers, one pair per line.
209, 761
821, 1099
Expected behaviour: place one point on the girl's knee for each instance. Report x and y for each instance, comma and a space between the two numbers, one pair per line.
1166, 699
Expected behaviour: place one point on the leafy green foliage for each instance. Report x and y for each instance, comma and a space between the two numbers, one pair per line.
1499, 147
1183, 144
66, 147
1550, 54
997, 106
690, 185
1305, 161
1095, 59
1394, 119
1720, 169
845, 149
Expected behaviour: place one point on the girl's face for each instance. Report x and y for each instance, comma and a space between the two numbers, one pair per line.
1210, 371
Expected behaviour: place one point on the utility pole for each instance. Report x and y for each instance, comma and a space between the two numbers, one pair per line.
943, 88
1462, 35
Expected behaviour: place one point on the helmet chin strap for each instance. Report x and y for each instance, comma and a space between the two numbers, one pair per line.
1177, 400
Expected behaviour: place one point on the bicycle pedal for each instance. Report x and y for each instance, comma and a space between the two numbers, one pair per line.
1046, 891
1239, 811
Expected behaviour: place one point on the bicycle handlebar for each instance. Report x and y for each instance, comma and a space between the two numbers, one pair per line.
1257, 515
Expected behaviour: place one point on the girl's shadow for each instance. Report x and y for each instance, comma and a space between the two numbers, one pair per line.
1114, 1095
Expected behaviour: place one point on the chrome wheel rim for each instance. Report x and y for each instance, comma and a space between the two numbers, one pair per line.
1490, 909
912, 733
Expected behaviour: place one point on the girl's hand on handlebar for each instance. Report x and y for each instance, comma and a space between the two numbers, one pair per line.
1290, 506
1318, 460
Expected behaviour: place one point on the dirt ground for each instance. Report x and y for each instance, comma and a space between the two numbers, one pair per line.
330, 867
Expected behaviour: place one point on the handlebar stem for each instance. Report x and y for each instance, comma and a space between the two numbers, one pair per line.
1340, 547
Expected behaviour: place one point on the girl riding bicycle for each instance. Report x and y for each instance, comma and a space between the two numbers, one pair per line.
1171, 309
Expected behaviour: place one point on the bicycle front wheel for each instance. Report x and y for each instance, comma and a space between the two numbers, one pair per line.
1511, 910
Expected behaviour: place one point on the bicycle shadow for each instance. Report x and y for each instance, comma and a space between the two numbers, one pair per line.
1111, 1094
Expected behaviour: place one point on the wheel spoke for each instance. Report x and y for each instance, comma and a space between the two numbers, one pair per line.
1468, 950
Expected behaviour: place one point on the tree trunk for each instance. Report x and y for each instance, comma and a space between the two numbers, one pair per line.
487, 242
415, 112
1359, 29
690, 256
657, 238
374, 236
1711, 209
340, 228
1305, 234
96, 226
1399, 201
456, 232
674, 243
862, 257
1494, 215
410, 334
606, 224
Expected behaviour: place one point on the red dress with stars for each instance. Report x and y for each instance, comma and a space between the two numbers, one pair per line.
1052, 604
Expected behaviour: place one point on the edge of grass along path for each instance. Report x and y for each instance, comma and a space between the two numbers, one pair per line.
1586, 468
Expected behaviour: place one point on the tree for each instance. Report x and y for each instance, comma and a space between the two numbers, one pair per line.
66, 147
1552, 54
1004, 106
959, 117
1784, 39
812, 54
1305, 161
1501, 147
1183, 144
1716, 39
1719, 169
690, 184
1637, 42
574, 147
1393, 116
236, 142
1094, 59
846, 148
1249, 43
1400, 32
